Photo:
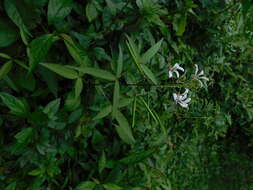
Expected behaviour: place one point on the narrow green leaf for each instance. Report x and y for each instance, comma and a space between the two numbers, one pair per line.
5, 69
71, 102
39, 48
137, 157
148, 108
36, 172
11, 186
87, 185
120, 62
78, 87
78, 54
146, 57
102, 163
103, 113
116, 95
16, 106
111, 6
58, 10
111, 186
99, 73
91, 12
149, 74
123, 129
62, 70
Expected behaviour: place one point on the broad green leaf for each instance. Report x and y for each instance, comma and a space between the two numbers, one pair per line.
58, 10
120, 62
102, 163
146, 57
14, 13
39, 48
91, 12
8, 33
52, 108
123, 129
87, 185
99, 73
71, 102
111, 186
37, 3
50, 78
16, 106
11, 186
116, 95
24, 135
78, 54
62, 70
179, 24
78, 87
111, 6
26, 81
11, 83
5, 69
149, 74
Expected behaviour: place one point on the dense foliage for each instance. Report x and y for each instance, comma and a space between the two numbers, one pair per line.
104, 94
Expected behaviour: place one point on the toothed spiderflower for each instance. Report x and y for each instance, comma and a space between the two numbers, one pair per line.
182, 99
175, 69
199, 76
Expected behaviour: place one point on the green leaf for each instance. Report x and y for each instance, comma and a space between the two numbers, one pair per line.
50, 78
14, 13
99, 73
179, 24
146, 57
116, 95
5, 69
8, 33
102, 163
111, 6
120, 62
36, 172
91, 12
103, 113
149, 74
72, 102
87, 185
123, 129
78, 87
39, 48
62, 70
52, 108
78, 54
58, 10
16, 106
137, 157
26, 81
11, 186
24, 135
111, 186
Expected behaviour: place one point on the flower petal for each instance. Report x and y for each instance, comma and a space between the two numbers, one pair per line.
184, 105
175, 97
196, 69
201, 73
187, 100
204, 78
170, 74
177, 73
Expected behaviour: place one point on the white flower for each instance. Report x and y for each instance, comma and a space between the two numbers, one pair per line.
175, 69
200, 76
182, 99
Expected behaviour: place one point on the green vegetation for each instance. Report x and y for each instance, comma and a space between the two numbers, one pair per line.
126, 95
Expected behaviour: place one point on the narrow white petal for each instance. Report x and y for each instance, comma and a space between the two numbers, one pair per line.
204, 78
180, 68
175, 66
186, 91
187, 100
184, 105
196, 69
170, 74
201, 73
201, 84
177, 73
175, 96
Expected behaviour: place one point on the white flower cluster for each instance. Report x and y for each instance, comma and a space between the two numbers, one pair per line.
182, 99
